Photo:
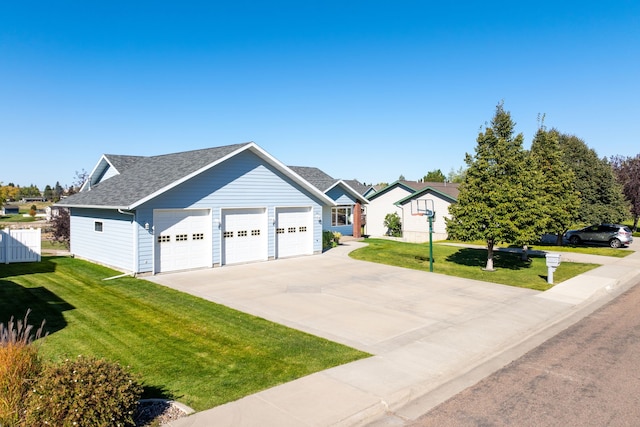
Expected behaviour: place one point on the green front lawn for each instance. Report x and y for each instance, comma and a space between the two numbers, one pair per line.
200, 353
468, 263
18, 218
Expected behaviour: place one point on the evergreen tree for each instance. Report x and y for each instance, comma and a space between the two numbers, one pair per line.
498, 200
48, 193
601, 197
559, 199
58, 191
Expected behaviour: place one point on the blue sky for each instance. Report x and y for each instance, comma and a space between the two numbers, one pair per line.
363, 89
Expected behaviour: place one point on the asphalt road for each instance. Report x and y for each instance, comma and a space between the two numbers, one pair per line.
587, 375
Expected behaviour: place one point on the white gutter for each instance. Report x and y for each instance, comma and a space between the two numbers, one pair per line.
135, 238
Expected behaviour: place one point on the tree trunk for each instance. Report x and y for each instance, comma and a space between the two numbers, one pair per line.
489, 266
559, 239
635, 223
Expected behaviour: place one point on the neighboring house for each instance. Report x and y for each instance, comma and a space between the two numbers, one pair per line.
201, 208
10, 210
382, 203
51, 212
346, 217
415, 229
396, 198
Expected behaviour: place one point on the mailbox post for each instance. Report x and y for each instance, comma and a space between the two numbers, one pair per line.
553, 261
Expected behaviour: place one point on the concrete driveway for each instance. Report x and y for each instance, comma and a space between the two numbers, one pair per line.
431, 335
368, 306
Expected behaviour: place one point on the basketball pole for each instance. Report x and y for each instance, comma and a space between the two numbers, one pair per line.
431, 243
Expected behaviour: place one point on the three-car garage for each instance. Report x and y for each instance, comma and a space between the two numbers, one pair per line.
194, 238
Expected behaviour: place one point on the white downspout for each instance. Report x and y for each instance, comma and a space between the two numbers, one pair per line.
135, 239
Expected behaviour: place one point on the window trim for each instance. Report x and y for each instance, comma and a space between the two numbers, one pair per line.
337, 211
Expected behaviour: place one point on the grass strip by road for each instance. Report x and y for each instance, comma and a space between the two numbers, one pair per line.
195, 351
468, 263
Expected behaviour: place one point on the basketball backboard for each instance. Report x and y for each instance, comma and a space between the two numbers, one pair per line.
422, 207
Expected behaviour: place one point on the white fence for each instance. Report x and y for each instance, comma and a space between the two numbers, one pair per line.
20, 245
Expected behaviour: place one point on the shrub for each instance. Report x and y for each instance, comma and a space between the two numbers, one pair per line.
83, 392
393, 224
327, 239
19, 366
330, 239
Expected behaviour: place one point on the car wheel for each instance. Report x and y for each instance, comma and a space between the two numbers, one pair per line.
615, 243
574, 240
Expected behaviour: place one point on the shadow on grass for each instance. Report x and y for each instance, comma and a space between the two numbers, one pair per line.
478, 258
16, 299
157, 392
23, 268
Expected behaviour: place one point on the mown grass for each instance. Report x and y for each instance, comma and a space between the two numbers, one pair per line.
594, 249
200, 353
468, 263
17, 218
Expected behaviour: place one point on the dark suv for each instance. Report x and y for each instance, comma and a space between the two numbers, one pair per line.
615, 235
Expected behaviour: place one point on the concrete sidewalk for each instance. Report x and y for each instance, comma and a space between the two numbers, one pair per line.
431, 335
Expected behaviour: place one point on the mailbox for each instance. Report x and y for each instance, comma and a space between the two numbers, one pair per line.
553, 260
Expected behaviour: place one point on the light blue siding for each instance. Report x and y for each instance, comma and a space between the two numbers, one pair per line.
339, 195
243, 181
113, 246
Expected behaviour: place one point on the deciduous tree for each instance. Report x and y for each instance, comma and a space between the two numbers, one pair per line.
434, 176
61, 227
627, 170
601, 197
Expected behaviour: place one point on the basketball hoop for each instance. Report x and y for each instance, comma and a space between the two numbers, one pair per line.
422, 207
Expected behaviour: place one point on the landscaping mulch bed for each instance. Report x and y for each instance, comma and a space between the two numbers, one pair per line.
157, 412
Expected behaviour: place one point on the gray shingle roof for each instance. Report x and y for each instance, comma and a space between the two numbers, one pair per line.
141, 177
315, 177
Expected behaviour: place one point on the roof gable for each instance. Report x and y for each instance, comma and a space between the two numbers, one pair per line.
325, 183
448, 191
143, 178
409, 186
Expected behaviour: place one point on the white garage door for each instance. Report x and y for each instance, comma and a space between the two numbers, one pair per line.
182, 239
294, 232
244, 235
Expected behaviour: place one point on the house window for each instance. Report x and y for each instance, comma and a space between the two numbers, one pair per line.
97, 226
341, 215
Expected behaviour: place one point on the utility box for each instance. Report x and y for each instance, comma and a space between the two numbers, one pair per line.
553, 261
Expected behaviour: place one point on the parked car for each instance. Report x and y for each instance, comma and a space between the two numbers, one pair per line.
615, 235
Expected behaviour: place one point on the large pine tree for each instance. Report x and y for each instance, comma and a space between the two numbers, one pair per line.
559, 199
498, 200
